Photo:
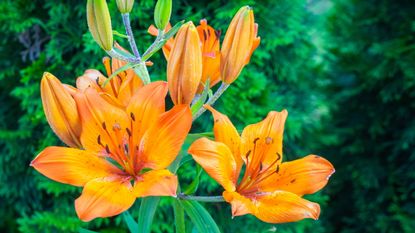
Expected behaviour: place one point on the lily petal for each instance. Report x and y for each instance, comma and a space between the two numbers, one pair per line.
162, 142
302, 176
103, 124
263, 141
104, 197
281, 207
226, 133
240, 204
72, 166
217, 160
275, 207
156, 183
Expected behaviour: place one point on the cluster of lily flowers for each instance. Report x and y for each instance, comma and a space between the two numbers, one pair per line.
121, 139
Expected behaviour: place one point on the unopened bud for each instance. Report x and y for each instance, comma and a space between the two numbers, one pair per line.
125, 6
60, 110
239, 42
184, 67
99, 23
162, 13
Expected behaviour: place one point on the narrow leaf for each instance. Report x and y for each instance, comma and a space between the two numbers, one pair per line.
200, 217
202, 99
179, 217
82, 230
146, 213
195, 183
131, 224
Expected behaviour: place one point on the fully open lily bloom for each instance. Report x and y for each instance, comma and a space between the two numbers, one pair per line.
238, 45
126, 151
60, 110
269, 189
210, 42
184, 67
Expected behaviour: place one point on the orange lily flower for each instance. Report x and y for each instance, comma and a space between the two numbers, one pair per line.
60, 110
269, 189
209, 40
126, 151
184, 67
238, 45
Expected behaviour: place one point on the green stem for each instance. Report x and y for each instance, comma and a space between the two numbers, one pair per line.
115, 54
142, 72
212, 99
131, 40
183, 196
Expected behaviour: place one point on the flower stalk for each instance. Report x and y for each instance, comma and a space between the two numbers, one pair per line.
183, 196
131, 40
212, 99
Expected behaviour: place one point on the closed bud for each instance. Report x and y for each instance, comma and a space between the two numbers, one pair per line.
238, 45
184, 67
99, 23
162, 13
60, 110
125, 6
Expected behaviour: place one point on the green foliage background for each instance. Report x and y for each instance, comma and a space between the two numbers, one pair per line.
344, 69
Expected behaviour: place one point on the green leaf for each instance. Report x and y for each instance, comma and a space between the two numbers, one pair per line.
156, 46
146, 213
202, 98
195, 183
82, 230
131, 224
115, 33
179, 217
202, 220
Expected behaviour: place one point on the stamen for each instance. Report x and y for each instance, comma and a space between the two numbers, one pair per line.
128, 132
104, 126
99, 140
132, 116
107, 149
116, 127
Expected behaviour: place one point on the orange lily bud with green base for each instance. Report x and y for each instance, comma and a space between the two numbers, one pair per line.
184, 66
99, 23
238, 45
60, 110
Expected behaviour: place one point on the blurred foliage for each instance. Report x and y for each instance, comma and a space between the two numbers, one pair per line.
345, 71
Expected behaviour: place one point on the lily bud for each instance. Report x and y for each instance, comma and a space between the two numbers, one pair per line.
184, 67
162, 13
60, 110
239, 42
99, 23
125, 6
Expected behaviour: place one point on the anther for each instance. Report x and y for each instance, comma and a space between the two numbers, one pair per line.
107, 149
104, 126
128, 131
99, 140
132, 116
255, 140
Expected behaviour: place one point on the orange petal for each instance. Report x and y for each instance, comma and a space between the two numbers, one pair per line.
129, 87
156, 183
209, 39
104, 197
184, 66
217, 160
263, 141
60, 110
281, 207
226, 132
93, 79
240, 204
162, 142
302, 176
104, 126
72, 166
